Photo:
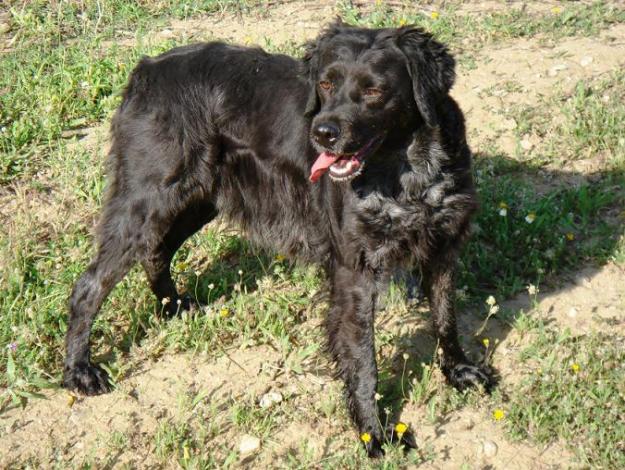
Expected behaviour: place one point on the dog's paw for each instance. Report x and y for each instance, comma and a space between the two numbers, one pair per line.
86, 379
463, 376
374, 444
402, 438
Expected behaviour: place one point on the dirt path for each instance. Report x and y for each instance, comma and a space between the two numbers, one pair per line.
519, 72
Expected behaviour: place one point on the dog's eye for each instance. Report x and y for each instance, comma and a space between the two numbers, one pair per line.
372, 92
325, 85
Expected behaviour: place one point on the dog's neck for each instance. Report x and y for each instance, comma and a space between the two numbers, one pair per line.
405, 174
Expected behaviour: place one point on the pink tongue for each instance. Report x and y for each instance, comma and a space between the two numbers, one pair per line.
321, 165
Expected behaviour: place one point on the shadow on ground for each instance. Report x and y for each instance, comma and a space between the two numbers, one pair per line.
535, 226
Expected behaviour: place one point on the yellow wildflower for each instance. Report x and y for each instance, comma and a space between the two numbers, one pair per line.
401, 428
503, 205
531, 217
486, 342
556, 10
570, 236
403, 22
365, 437
224, 312
575, 367
280, 258
498, 414
71, 399
434, 15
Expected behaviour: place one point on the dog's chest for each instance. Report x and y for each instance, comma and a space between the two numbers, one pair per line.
391, 231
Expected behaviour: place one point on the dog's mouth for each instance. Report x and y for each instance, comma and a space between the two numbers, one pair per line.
342, 167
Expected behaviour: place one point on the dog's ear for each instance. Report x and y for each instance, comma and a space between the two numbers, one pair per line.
430, 67
312, 58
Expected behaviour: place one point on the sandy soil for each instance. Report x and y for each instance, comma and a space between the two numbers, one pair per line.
60, 428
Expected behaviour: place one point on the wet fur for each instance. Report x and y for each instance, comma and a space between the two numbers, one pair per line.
216, 129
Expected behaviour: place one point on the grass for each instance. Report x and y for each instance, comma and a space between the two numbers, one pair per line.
575, 393
453, 27
63, 74
586, 126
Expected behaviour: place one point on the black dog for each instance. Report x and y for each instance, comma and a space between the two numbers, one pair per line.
217, 129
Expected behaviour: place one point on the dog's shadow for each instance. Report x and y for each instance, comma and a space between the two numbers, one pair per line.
237, 268
585, 238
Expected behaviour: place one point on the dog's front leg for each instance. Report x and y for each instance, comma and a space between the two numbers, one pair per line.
439, 287
351, 342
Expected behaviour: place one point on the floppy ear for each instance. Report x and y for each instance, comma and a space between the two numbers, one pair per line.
430, 67
313, 51
311, 60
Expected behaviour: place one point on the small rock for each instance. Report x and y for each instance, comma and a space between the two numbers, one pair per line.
270, 399
249, 444
572, 313
167, 33
526, 144
585, 61
509, 123
467, 424
489, 449
4, 27
486, 449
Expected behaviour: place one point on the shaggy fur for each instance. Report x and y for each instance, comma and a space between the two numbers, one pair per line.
215, 129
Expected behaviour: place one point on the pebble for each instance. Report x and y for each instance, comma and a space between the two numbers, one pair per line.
572, 313
487, 449
509, 123
467, 424
249, 444
4, 27
490, 448
585, 61
269, 399
526, 144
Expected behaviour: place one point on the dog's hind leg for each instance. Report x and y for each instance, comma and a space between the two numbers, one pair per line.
156, 260
439, 288
116, 254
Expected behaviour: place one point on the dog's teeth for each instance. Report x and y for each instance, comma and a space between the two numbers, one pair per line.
343, 179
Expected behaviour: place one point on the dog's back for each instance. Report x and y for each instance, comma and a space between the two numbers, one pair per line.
225, 123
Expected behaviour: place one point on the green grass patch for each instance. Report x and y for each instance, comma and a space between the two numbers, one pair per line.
526, 234
588, 124
453, 27
575, 393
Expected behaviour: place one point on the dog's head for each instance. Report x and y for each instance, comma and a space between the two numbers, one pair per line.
369, 86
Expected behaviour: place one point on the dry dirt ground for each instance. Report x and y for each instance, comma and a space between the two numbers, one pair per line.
56, 429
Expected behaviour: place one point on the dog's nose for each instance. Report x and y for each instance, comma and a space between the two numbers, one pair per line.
326, 133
